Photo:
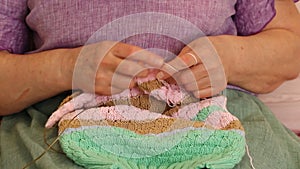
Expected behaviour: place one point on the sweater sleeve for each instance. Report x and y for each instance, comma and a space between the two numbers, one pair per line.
14, 33
253, 15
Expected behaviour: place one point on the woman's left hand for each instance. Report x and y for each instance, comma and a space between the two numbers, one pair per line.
198, 69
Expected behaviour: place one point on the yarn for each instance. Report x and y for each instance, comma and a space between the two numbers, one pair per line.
193, 134
50, 146
126, 132
250, 157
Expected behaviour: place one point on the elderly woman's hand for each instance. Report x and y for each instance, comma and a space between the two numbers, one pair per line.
109, 67
198, 69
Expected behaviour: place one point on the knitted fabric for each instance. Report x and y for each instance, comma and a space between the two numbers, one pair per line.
137, 129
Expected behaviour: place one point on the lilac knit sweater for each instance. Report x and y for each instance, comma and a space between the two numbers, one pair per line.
165, 25
70, 23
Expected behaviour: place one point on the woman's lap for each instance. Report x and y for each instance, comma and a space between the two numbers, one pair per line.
22, 138
271, 145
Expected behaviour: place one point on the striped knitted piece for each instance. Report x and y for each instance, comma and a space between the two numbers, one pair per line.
137, 129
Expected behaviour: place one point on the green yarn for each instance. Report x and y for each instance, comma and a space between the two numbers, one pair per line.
189, 148
205, 112
112, 147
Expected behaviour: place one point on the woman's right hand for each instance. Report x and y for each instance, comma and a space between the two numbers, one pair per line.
109, 67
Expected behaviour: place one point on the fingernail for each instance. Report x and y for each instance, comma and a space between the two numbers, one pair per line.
160, 76
132, 84
144, 73
48, 125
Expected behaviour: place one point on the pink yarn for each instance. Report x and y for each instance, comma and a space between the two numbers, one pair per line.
170, 93
219, 119
87, 100
120, 112
190, 111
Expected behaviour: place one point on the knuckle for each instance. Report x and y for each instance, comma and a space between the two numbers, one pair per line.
157, 62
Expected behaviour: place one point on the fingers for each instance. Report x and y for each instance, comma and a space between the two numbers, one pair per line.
184, 61
207, 92
174, 66
123, 50
198, 85
198, 79
122, 82
198, 69
193, 74
99, 63
147, 58
119, 67
190, 58
107, 91
108, 82
131, 68
131, 60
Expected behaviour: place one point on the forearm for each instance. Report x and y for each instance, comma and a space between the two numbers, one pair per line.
261, 62
27, 79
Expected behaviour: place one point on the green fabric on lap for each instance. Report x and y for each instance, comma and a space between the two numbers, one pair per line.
271, 144
21, 138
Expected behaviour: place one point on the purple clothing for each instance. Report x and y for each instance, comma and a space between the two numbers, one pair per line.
14, 33
70, 23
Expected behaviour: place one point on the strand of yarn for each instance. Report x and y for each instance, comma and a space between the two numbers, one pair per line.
169, 102
46, 142
249, 156
51, 145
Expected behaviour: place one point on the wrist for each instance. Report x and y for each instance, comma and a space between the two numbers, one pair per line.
224, 51
67, 65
